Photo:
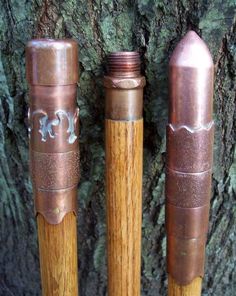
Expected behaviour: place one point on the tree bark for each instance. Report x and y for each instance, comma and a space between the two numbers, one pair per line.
153, 27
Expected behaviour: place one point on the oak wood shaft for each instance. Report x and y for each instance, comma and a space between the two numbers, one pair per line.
193, 289
124, 156
58, 256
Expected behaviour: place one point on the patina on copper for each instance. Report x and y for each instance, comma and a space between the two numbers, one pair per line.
190, 135
52, 74
124, 86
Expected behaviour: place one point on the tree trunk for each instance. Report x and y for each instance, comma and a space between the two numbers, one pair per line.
154, 28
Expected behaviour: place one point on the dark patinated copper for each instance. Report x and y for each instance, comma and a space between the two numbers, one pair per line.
124, 86
190, 135
52, 73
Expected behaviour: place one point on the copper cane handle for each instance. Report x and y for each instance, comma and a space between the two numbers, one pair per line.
52, 73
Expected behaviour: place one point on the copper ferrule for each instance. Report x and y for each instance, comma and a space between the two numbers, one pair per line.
124, 86
52, 74
190, 135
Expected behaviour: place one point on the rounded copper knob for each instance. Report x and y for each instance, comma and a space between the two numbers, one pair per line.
52, 62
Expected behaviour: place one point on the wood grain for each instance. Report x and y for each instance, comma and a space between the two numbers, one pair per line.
124, 161
193, 289
58, 256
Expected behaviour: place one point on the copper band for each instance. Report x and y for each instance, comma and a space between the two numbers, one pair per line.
185, 258
188, 190
54, 171
53, 119
191, 93
187, 223
51, 98
195, 144
55, 204
124, 104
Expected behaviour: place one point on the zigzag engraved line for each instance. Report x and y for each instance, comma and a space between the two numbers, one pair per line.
192, 130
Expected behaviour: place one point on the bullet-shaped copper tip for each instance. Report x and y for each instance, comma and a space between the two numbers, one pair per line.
191, 82
124, 64
191, 51
189, 157
52, 62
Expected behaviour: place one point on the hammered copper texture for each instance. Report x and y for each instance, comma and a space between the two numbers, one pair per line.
52, 72
188, 190
194, 144
190, 135
54, 171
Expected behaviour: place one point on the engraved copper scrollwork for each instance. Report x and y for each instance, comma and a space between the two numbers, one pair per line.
54, 175
52, 74
46, 125
54, 156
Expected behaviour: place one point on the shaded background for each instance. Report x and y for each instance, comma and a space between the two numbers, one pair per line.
153, 27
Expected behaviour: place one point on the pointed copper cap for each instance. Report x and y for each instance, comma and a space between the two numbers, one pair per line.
191, 51
52, 62
191, 82
190, 134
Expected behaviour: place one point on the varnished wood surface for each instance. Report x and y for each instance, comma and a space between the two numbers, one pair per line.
193, 289
124, 161
58, 256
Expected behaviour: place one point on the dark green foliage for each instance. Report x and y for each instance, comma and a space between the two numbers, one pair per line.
153, 27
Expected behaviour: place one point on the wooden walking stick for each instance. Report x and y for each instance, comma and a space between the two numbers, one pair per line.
190, 135
52, 74
124, 162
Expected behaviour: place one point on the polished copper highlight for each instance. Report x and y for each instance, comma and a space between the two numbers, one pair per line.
52, 74
52, 62
190, 135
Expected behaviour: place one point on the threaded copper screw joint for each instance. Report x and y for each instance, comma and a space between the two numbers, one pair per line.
124, 64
